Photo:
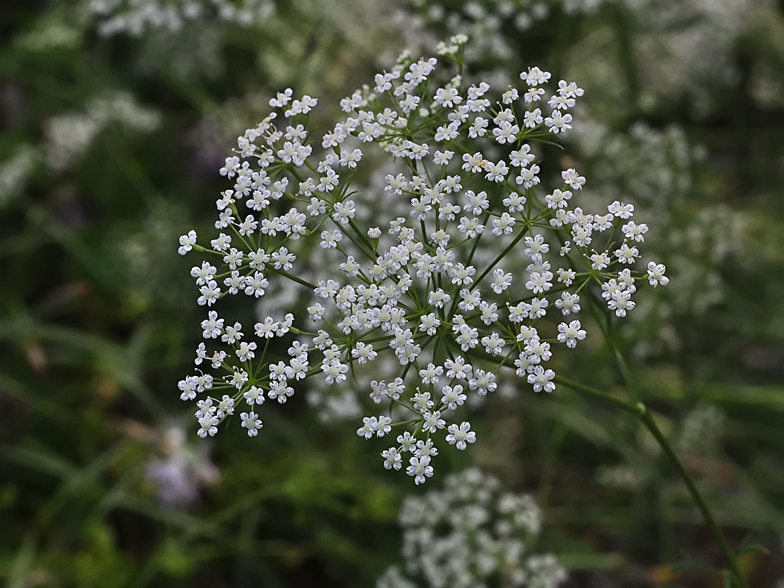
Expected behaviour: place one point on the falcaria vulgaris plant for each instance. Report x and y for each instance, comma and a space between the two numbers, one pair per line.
441, 280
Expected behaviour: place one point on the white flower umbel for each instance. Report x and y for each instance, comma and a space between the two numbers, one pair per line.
136, 16
471, 534
67, 137
405, 282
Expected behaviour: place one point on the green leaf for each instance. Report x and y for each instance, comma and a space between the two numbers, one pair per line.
753, 548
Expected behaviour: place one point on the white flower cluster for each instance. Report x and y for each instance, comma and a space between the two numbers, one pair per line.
423, 23
15, 172
680, 49
452, 292
472, 535
685, 48
69, 136
136, 16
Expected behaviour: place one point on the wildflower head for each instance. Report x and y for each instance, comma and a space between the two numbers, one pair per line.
435, 281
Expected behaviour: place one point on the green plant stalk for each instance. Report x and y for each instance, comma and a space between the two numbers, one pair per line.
732, 563
633, 407
651, 425
642, 413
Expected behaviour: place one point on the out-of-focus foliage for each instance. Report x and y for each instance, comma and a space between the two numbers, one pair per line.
109, 149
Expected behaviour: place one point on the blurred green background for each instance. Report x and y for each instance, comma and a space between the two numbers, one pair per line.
110, 145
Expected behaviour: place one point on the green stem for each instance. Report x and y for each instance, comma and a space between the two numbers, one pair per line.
635, 408
638, 409
651, 425
732, 563
523, 232
292, 277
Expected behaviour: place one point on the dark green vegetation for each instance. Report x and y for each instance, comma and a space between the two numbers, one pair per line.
98, 319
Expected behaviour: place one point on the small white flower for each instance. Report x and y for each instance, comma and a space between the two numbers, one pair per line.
392, 458
501, 280
656, 274
568, 303
558, 123
461, 435
620, 210
541, 379
452, 397
251, 422
420, 469
187, 242
573, 179
570, 333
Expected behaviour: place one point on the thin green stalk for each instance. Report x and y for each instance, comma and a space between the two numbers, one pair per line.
292, 277
651, 425
641, 412
732, 563
635, 408
515, 241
